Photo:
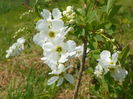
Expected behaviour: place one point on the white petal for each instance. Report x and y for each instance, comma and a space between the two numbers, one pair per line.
21, 40
115, 57
42, 25
40, 39
98, 70
60, 81
105, 55
119, 74
69, 8
104, 63
70, 45
61, 67
56, 13
48, 46
46, 14
52, 64
79, 51
63, 58
57, 25
69, 78
53, 80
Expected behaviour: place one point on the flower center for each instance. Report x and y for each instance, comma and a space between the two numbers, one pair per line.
112, 63
59, 49
52, 34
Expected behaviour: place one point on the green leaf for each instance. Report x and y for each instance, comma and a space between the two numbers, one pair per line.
36, 7
124, 55
114, 10
109, 6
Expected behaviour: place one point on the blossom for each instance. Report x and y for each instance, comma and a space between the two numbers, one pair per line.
69, 14
60, 78
46, 33
108, 63
59, 49
119, 74
56, 51
16, 48
98, 70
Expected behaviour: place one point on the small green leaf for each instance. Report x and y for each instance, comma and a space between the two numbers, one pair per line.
109, 6
124, 55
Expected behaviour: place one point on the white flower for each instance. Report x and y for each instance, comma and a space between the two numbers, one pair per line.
70, 52
119, 74
69, 9
21, 40
108, 61
60, 78
69, 15
57, 30
98, 70
16, 48
59, 49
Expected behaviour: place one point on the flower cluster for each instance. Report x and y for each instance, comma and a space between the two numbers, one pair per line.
16, 48
69, 14
56, 50
108, 63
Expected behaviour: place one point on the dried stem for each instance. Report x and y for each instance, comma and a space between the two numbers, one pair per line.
81, 69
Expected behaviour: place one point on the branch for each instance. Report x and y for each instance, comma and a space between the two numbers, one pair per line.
81, 69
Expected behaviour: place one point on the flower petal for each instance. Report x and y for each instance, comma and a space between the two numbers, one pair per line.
53, 80
48, 46
21, 40
39, 39
46, 14
98, 70
42, 25
60, 81
63, 58
105, 55
69, 78
119, 74
70, 45
56, 13
115, 57
57, 25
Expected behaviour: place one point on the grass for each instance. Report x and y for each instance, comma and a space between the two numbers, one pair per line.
25, 76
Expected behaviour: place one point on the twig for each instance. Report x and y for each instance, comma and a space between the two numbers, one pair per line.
81, 69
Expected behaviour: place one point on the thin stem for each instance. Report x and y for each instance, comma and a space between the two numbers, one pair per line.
81, 69
109, 38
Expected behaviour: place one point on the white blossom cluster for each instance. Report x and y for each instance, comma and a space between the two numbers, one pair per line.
16, 48
69, 14
56, 51
108, 63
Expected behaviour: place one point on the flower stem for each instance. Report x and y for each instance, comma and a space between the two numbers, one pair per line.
81, 69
